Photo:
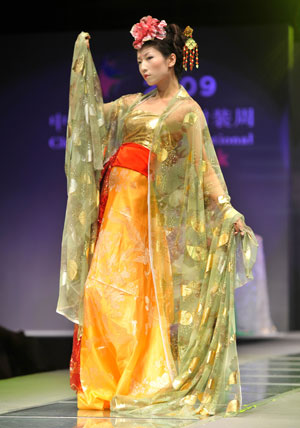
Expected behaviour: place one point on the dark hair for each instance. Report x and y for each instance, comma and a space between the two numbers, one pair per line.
172, 43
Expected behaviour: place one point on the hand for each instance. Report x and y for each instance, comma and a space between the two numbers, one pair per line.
239, 226
87, 40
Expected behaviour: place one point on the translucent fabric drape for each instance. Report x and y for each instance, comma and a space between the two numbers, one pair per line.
196, 260
92, 137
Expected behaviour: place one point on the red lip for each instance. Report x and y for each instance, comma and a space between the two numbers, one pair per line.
146, 75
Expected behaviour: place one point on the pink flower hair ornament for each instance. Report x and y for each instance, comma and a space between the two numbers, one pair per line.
147, 29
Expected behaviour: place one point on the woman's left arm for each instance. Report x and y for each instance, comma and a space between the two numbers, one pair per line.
207, 165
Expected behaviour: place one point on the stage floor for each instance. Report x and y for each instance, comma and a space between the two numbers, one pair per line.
270, 377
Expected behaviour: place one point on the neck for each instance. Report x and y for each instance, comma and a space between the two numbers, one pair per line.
168, 88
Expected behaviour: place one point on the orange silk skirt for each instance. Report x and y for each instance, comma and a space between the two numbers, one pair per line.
122, 345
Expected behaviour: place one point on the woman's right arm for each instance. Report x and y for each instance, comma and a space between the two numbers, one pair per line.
106, 106
85, 143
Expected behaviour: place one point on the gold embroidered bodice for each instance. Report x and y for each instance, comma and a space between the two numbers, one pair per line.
139, 127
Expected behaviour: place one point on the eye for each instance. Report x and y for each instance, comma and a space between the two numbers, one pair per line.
149, 57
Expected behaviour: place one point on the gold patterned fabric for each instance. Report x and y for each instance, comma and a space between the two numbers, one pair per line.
139, 127
195, 258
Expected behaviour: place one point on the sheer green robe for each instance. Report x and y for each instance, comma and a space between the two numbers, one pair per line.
190, 223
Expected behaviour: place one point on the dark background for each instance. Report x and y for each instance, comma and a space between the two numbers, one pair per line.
92, 15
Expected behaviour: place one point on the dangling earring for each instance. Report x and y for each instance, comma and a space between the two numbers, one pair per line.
190, 49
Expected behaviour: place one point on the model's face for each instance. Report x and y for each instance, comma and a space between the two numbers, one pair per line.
153, 66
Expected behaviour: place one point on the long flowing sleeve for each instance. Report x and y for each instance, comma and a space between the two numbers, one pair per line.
217, 201
85, 146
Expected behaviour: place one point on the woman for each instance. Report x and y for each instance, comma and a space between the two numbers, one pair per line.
152, 248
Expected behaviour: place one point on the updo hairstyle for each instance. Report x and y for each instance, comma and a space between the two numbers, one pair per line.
172, 43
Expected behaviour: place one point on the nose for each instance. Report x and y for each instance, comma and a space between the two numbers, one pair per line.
143, 67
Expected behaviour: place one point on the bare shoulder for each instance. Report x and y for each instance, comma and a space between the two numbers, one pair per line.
191, 105
129, 99
191, 112
124, 100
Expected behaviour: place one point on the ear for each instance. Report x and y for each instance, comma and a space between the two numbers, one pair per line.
172, 60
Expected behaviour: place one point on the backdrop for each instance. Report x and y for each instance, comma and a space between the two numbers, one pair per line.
242, 87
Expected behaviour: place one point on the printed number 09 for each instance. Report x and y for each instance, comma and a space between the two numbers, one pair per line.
207, 85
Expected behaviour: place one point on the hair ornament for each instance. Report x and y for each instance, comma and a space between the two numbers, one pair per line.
147, 29
190, 50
